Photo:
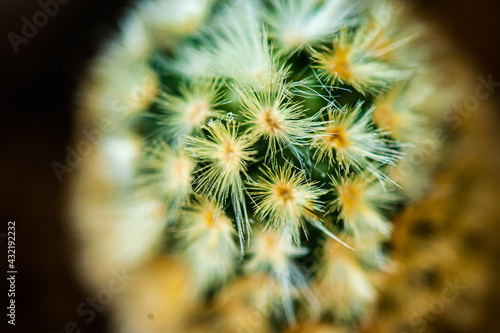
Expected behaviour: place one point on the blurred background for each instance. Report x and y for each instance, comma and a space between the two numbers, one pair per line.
36, 91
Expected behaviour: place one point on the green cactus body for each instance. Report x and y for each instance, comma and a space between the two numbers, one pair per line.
257, 137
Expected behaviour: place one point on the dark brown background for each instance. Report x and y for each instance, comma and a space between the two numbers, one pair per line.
36, 87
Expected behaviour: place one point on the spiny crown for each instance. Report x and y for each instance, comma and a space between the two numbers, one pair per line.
269, 108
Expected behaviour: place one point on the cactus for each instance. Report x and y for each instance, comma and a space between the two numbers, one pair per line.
252, 148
